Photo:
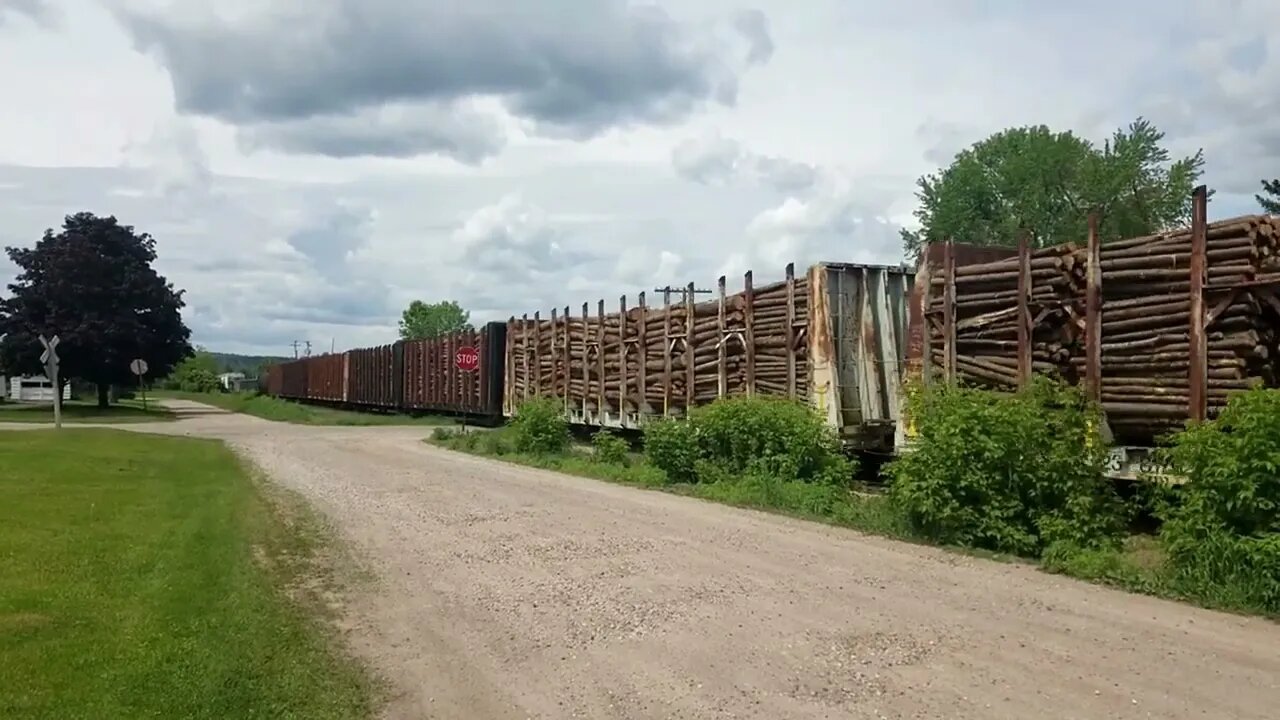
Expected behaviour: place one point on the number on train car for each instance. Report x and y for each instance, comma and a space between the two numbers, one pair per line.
467, 359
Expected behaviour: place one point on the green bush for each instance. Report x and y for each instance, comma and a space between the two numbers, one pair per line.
770, 436
198, 380
738, 436
540, 427
609, 448
672, 446
1223, 536
1006, 472
442, 433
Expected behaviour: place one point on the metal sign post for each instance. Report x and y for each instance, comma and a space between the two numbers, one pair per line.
50, 360
139, 367
466, 359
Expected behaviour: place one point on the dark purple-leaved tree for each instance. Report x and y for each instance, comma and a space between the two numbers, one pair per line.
92, 284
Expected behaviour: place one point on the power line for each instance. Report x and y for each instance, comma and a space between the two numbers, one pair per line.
684, 293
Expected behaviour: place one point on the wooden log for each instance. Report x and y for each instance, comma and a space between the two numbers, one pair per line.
1228, 227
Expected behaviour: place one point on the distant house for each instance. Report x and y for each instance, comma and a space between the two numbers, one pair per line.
35, 389
231, 382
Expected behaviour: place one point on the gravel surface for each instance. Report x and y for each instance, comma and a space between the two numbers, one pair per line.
506, 592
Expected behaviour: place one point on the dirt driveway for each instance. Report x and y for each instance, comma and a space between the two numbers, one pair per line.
506, 592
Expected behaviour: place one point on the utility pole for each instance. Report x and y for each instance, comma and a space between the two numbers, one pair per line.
295, 349
684, 293
308, 343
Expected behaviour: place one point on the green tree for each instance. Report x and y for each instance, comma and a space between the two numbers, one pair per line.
1270, 204
1047, 182
93, 285
193, 373
428, 320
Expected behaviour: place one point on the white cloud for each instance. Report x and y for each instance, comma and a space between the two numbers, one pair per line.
573, 150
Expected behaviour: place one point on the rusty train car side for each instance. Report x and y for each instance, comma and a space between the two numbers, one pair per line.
432, 380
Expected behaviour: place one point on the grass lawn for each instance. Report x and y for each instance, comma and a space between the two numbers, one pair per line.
270, 408
80, 411
148, 576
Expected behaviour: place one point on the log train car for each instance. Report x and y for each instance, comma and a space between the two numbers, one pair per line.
1157, 329
834, 337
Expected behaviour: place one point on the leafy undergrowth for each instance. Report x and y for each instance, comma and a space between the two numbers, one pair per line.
78, 411
280, 410
148, 576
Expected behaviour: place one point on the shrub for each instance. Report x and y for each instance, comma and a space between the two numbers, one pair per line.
609, 448
772, 436
672, 446
441, 433
198, 380
540, 427
1006, 472
1223, 537
738, 436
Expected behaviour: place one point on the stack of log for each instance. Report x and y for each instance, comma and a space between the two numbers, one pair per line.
986, 315
647, 359
1146, 305
1145, 309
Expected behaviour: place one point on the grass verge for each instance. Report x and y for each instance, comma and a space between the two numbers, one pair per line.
271, 408
1139, 565
153, 577
78, 411
866, 512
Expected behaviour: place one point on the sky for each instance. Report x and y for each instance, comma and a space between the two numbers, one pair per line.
308, 169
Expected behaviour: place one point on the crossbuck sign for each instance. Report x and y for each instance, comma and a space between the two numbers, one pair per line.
50, 360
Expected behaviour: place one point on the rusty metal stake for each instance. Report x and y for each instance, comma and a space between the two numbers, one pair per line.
1093, 315
1024, 311
1197, 371
949, 311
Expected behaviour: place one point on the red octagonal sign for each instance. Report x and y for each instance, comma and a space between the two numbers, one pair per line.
466, 358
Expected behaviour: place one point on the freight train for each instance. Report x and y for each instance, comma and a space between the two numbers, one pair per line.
834, 337
1158, 329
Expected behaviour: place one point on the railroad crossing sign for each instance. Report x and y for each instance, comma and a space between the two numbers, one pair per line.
467, 359
50, 360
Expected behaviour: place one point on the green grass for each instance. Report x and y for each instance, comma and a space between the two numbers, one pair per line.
1137, 566
79, 411
270, 408
147, 576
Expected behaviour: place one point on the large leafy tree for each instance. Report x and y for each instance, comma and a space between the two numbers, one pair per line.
1032, 178
1270, 202
428, 320
93, 285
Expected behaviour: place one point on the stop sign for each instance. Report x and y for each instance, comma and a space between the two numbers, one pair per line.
466, 358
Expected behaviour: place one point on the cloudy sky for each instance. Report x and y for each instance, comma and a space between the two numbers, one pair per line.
309, 169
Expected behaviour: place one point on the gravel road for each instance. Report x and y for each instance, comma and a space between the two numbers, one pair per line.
505, 592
